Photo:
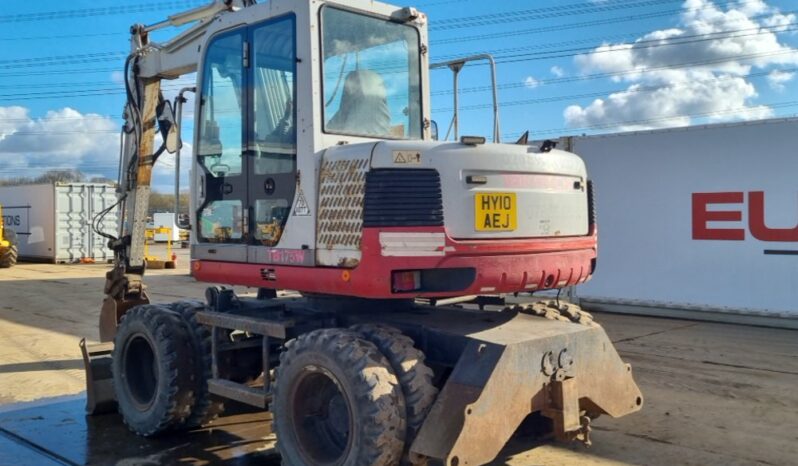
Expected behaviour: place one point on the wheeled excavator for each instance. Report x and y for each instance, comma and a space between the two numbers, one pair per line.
315, 167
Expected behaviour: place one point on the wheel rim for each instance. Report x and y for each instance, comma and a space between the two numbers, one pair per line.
140, 372
321, 417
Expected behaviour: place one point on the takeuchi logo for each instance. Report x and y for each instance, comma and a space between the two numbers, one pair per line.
735, 203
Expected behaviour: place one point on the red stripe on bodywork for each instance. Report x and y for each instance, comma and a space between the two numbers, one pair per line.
507, 266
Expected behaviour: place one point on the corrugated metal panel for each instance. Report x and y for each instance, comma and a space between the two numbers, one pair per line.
103, 197
76, 205
651, 249
53, 222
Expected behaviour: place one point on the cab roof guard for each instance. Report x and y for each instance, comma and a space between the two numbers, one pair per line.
456, 65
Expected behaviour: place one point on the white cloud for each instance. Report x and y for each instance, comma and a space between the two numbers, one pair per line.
61, 139
705, 78
557, 71
69, 139
777, 79
531, 83
11, 118
715, 99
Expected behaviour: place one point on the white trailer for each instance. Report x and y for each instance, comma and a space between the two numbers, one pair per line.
165, 220
696, 221
53, 222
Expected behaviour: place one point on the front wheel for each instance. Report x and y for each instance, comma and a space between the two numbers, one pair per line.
152, 368
337, 402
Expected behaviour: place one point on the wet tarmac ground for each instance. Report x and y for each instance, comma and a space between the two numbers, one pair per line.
56, 431
715, 395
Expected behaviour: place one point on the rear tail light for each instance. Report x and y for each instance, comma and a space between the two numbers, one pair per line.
404, 281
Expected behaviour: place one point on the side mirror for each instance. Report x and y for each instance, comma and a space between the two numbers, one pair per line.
167, 124
433, 129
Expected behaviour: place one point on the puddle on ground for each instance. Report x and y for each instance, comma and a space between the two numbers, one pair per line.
57, 431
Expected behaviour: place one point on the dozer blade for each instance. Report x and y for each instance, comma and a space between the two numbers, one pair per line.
538, 361
100, 397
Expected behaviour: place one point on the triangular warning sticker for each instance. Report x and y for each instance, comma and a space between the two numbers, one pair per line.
406, 157
301, 209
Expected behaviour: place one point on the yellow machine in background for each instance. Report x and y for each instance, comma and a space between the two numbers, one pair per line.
155, 262
8, 245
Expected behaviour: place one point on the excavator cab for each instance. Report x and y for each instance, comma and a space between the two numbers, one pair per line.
274, 95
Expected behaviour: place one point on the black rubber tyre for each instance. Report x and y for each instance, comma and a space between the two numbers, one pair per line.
8, 256
152, 368
415, 378
207, 407
337, 402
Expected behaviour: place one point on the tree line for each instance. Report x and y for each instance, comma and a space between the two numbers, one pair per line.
159, 202
56, 176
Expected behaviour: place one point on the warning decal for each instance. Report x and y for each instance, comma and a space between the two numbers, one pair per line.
406, 157
301, 208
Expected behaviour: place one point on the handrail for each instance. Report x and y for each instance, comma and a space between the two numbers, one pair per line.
456, 65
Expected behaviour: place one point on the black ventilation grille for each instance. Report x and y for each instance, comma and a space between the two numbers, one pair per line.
403, 197
591, 206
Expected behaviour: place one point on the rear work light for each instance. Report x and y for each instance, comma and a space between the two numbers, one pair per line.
406, 280
472, 140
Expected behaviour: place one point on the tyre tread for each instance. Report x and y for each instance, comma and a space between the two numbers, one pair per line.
9, 257
171, 405
382, 420
206, 406
415, 378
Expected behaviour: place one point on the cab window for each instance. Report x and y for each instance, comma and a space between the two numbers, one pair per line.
220, 142
371, 76
272, 137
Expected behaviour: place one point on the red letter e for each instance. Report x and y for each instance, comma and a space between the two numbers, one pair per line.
701, 216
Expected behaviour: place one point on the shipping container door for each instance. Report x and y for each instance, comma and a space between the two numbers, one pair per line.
76, 206
72, 229
102, 198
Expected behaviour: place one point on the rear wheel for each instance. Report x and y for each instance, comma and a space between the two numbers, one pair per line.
337, 402
415, 378
152, 370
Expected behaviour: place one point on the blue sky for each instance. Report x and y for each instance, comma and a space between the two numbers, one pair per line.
565, 67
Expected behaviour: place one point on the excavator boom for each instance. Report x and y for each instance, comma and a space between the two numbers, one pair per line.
146, 66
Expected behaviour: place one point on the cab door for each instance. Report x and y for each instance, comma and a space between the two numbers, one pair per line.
222, 223
246, 146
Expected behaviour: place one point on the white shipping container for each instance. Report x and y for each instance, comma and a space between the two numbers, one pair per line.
703, 219
54, 221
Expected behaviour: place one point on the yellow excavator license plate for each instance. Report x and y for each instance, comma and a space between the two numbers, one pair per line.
495, 212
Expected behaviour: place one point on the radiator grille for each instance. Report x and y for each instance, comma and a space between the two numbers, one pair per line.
403, 197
